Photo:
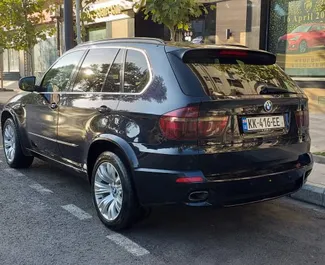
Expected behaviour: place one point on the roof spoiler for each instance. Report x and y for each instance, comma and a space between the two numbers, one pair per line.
225, 55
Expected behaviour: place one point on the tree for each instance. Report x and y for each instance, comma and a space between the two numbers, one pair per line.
23, 22
174, 14
86, 16
4, 42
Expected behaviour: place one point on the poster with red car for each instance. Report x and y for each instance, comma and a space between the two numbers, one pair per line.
297, 36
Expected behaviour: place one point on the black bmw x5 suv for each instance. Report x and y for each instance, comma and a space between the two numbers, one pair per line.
154, 124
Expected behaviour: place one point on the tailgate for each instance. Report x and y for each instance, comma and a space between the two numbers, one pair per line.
254, 118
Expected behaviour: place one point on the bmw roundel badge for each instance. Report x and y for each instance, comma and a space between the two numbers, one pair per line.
268, 106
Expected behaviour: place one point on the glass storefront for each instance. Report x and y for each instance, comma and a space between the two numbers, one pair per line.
297, 36
11, 61
97, 34
45, 53
238, 22
204, 28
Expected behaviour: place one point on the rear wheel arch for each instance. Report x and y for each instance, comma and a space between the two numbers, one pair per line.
101, 145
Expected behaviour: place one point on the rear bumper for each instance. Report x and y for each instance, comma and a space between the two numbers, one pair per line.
159, 187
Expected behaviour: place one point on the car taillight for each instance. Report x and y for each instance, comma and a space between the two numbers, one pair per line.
302, 118
186, 124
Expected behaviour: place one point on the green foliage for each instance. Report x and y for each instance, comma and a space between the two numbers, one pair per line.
21, 21
86, 16
174, 14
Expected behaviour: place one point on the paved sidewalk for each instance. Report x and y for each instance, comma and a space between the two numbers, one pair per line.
314, 190
9, 86
317, 128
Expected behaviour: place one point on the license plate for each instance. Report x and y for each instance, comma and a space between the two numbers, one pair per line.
263, 123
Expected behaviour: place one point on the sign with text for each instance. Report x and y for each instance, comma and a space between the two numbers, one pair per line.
297, 36
111, 10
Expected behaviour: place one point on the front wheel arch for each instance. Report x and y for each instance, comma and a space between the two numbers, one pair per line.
4, 116
9, 114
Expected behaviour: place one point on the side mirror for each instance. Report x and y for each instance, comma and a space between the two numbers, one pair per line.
27, 83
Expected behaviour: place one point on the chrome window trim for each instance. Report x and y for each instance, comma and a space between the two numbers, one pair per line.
112, 93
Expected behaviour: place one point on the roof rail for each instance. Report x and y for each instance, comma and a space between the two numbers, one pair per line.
130, 40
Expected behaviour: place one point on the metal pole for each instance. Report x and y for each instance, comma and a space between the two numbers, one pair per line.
1, 67
58, 36
78, 21
68, 24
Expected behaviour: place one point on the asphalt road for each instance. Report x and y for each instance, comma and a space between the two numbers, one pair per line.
47, 218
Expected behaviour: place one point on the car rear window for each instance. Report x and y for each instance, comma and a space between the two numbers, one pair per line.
240, 79
231, 76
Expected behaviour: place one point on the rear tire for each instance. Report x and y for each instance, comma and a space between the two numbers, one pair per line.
112, 192
12, 147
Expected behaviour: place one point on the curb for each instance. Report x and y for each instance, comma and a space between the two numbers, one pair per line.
311, 193
6, 90
319, 159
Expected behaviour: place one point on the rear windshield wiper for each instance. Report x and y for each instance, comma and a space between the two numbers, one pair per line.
266, 90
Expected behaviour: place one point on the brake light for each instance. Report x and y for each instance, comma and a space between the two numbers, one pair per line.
190, 180
234, 53
185, 124
302, 118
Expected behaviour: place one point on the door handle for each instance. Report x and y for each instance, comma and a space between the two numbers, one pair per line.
53, 105
103, 109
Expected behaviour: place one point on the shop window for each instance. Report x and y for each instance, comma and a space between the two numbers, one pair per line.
11, 61
297, 36
45, 54
93, 71
97, 34
136, 75
238, 22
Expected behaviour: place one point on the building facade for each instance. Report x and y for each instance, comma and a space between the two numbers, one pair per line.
292, 29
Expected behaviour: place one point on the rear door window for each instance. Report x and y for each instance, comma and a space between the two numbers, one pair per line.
94, 69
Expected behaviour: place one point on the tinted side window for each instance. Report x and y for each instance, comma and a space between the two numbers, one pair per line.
58, 78
94, 68
113, 80
136, 74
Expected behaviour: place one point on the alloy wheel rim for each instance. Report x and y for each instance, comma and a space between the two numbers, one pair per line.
9, 140
108, 191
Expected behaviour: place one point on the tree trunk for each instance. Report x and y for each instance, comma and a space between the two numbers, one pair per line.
31, 61
172, 33
83, 28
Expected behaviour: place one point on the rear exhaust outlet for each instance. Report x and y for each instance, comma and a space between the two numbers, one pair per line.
198, 196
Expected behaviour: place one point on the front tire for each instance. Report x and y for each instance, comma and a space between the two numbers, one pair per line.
303, 46
112, 192
12, 147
